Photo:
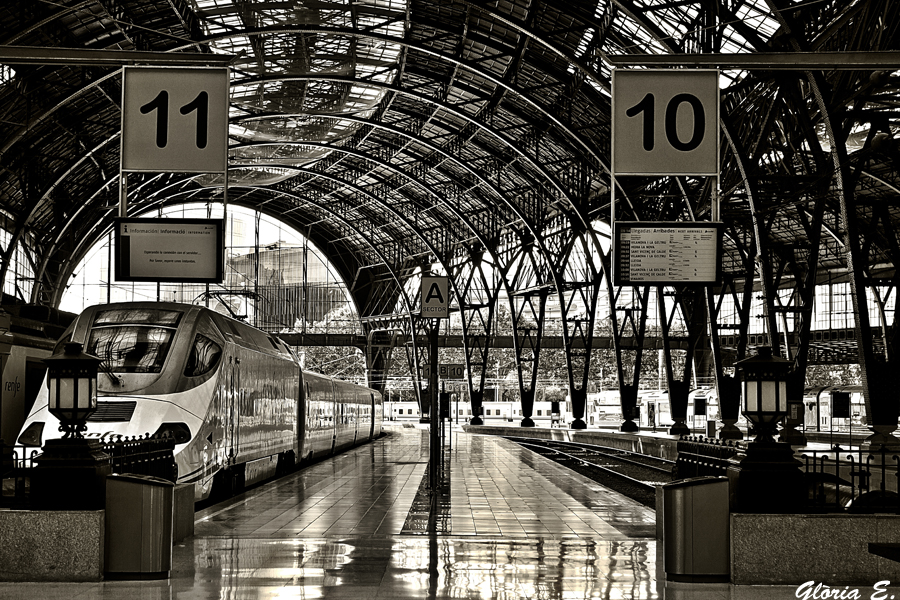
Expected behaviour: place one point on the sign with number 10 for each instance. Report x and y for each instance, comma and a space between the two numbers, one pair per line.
175, 119
665, 122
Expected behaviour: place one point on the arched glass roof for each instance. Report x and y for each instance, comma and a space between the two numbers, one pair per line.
406, 135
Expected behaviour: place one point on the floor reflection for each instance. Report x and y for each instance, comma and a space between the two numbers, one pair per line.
419, 567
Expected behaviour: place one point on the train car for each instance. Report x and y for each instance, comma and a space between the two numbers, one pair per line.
234, 398
656, 411
834, 408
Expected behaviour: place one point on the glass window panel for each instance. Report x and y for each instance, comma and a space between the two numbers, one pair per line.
131, 349
152, 316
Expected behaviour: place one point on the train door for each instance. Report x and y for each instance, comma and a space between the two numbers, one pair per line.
371, 416
302, 426
336, 413
234, 390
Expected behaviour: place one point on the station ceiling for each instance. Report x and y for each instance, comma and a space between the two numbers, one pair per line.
402, 134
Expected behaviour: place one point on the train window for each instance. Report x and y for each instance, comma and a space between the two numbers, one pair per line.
204, 356
131, 349
149, 316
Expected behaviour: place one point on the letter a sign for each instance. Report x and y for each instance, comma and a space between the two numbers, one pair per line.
435, 297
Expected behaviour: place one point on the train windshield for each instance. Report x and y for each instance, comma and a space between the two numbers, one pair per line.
133, 340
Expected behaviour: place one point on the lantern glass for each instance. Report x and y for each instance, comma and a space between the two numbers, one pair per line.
66, 398
769, 396
751, 397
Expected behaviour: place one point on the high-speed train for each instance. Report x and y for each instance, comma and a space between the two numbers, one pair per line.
235, 398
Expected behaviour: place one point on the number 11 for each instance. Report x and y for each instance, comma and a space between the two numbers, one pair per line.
200, 104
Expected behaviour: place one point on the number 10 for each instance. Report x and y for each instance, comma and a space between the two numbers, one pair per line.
647, 105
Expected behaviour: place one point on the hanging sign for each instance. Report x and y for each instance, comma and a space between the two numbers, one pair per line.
435, 297
170, 250
649, 253
175, 119
665, 122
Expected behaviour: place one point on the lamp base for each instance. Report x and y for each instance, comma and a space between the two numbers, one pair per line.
70, 475
767, 479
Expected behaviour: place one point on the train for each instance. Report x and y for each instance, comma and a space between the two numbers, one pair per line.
602, 409
837, 408
235, 399
826, 408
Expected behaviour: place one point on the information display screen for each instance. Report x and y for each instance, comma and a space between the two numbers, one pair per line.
170, 250
654, 253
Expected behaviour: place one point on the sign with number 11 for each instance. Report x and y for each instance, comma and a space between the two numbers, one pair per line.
175, 119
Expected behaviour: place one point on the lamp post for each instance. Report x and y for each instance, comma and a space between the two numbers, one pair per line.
764, 391
767, 478
71, 471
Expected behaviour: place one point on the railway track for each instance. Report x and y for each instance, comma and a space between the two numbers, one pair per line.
630, 473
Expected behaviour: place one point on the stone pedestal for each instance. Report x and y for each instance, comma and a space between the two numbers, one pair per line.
51, 545
628, 426
767, 479
70, 474
790, 435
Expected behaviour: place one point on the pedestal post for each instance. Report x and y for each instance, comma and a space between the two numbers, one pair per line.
70, 474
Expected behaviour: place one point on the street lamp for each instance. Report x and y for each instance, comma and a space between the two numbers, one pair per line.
72, 378
71, 471
766, 477
764, 391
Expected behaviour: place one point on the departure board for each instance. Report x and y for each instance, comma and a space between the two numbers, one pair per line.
653, 253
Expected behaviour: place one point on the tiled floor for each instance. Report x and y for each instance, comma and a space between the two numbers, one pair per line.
517, 526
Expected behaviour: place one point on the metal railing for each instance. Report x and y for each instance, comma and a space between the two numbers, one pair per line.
17, 464
141, 455
858, 482
700, 456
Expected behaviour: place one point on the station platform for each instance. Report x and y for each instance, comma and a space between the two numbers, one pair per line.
518, 526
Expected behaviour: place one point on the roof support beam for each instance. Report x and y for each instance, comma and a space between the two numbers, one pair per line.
768, 61
84, 57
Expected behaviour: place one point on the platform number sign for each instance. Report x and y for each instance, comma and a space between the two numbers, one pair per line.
665, 122
175, 119
435, 296
451, 371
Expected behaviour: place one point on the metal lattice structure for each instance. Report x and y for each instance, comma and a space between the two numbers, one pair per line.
473, 139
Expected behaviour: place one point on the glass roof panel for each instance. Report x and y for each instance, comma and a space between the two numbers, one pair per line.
315, 66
